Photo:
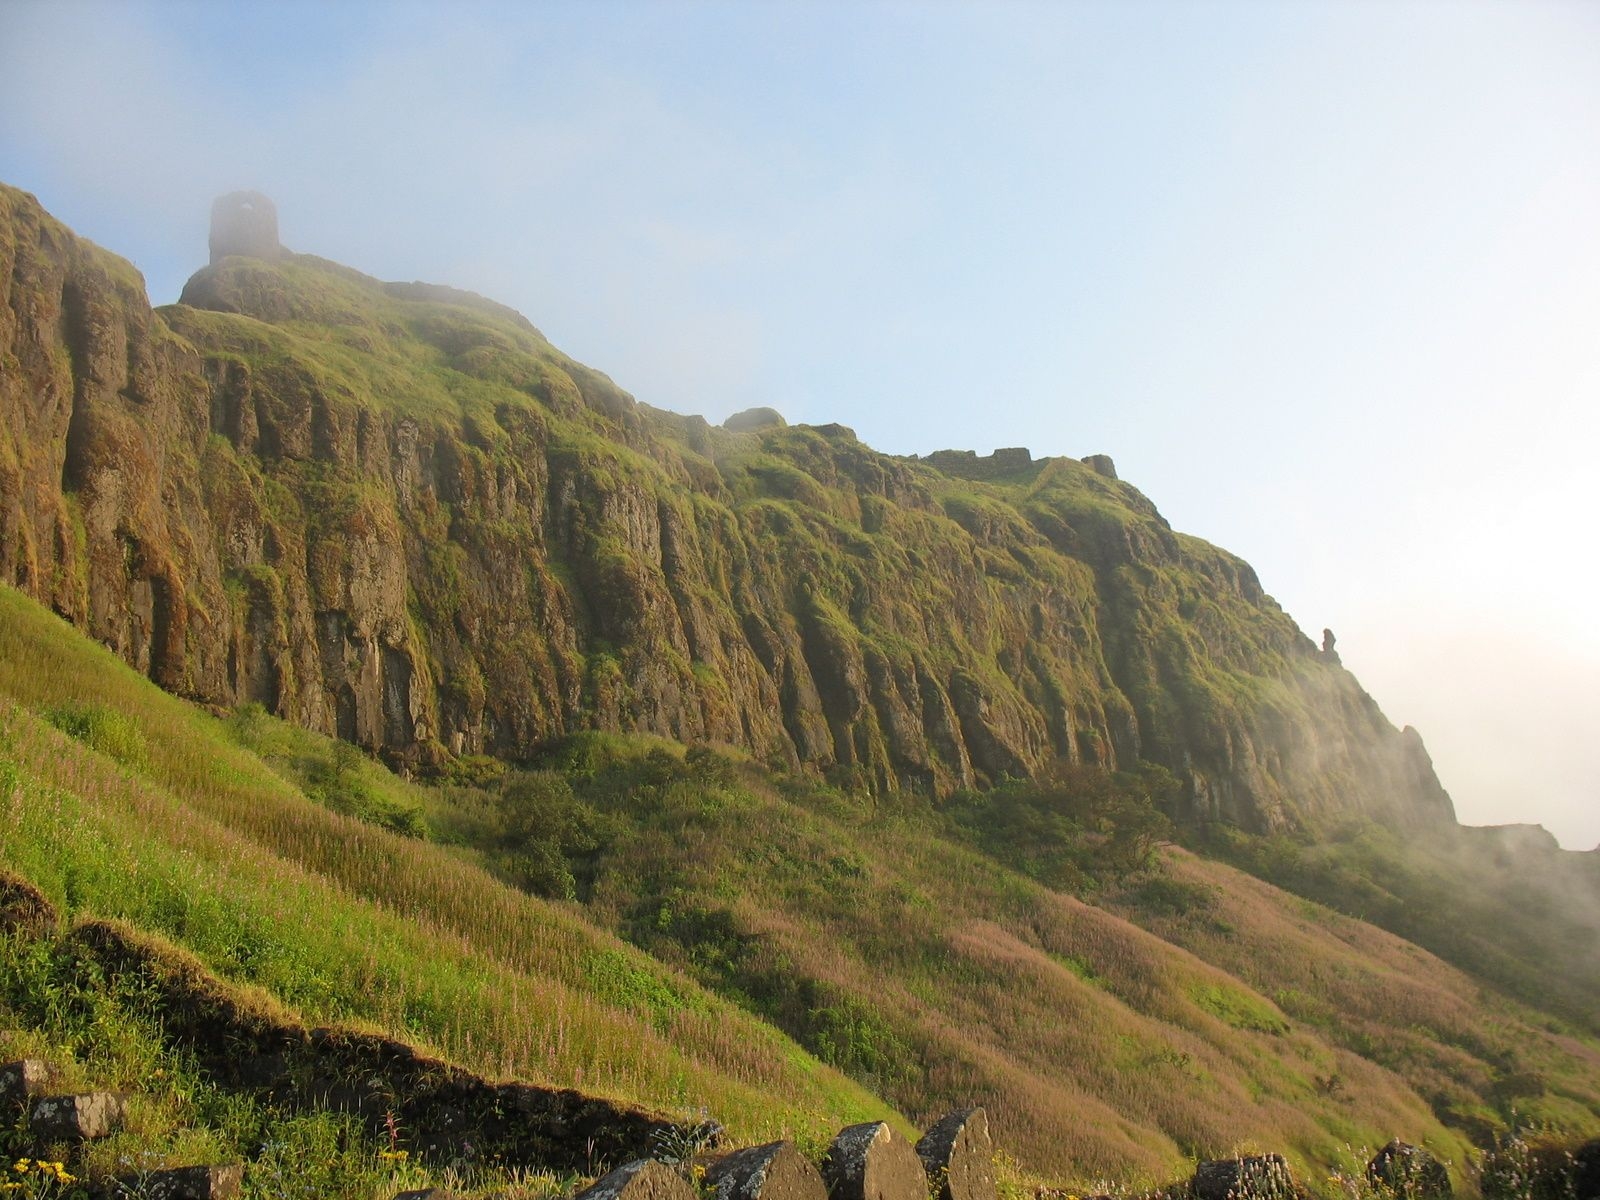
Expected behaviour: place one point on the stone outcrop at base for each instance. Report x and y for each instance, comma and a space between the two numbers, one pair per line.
958, 1156
872, 1162
642, 1179
23, 1080
187, 1183
1409, 1172
775, 1171
1260, 1177
79, 1118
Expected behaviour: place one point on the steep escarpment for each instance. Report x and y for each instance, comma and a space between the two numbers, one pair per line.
396, 513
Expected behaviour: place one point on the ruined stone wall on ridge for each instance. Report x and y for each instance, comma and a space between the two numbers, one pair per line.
244, 224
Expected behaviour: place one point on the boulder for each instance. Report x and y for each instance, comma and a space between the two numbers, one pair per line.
1586, 1171
775, 1171
23, 1080
642, 1179
1260, 1177
872, 1162
1410, 1172
82, 1117
187, 1183
958, 1156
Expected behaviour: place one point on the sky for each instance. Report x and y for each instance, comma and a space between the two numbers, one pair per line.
1322, 278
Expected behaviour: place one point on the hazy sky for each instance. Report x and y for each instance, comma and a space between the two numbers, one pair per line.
1324, 279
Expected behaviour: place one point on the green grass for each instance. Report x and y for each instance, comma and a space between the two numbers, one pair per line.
345, 921
55, 1005
332, 773
889, 940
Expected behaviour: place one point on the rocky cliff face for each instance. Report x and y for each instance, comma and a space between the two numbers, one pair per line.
394, 512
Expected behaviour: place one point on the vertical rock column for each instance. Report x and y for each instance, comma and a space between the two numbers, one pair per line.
873, 1162
958, 1156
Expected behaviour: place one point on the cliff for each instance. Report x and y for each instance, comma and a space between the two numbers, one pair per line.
396, 513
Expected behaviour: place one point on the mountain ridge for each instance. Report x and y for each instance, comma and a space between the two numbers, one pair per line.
404, 518
742, 768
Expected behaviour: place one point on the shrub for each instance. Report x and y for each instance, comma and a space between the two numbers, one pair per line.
103, 729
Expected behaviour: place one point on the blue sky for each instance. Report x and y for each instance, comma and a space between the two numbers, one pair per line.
1324, 279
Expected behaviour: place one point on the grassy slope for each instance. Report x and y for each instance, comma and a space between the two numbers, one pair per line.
1239, 1016
1506, 905
1193, 1009
194, 838
54, 1006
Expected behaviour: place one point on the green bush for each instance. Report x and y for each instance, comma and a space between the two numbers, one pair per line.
103, 729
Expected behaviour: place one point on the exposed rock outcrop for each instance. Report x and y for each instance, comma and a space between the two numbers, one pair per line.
428, 532
85, 1116
775, 1171
752, 419
1409, 1172
643, 1179
22, 1080
1258, 1177
872, 1162
958, 1156
187, 1183
1586, 1171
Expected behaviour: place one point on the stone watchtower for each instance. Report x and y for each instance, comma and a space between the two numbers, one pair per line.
244, 223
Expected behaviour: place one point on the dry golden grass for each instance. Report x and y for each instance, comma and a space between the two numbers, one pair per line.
1116, 1041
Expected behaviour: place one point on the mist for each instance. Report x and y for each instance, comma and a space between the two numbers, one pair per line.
1324, 280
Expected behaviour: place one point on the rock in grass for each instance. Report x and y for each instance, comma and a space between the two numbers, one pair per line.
428, 1194
1262, 1177
82, 1117
187, 1183
23, 1080
1586, 1171
873, 1162
642, 1179
775, 1171
959, 1157
1410, 1172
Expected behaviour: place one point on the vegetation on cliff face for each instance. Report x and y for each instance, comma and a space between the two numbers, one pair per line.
396, 514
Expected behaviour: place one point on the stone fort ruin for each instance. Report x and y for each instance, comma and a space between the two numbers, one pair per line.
244, 223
